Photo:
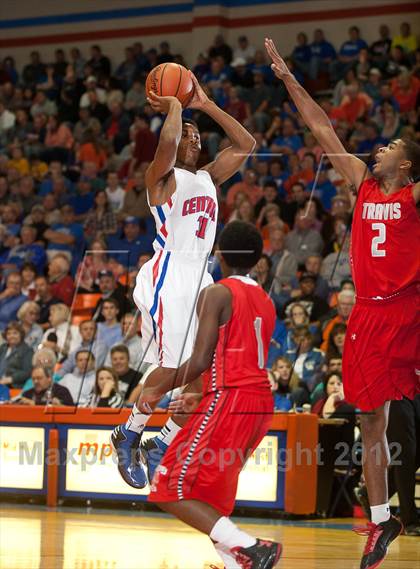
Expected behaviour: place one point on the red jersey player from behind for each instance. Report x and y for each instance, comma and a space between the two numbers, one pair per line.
379, 363
236, 322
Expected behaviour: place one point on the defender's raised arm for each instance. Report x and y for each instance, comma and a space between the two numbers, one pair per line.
350, 167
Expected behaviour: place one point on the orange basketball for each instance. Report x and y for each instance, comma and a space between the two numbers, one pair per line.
171, 80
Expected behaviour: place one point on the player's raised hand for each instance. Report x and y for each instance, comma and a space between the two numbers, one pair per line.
162, 104
279, 65
199, 100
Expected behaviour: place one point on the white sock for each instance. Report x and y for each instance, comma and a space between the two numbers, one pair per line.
226, 533
136, 421
226, 556
380, 513
169, 431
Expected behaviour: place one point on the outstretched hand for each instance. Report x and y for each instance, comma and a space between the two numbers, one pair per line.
185, 403
199, 99
279, 66
161, 104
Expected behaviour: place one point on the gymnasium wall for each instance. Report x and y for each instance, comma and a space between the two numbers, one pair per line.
189, 25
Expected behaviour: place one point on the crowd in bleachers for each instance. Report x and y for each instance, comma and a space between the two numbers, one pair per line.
76, 136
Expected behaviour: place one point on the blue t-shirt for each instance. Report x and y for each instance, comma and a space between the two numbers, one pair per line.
302, 53
323, 50
28, 254
282, 402
352, 48
74, 229
46, 186
325, 192
294, 142
82, 203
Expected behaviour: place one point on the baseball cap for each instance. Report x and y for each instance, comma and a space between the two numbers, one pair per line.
91, 79
105, 273
131, 219
307, 276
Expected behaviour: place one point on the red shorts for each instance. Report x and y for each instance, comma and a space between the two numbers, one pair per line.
381, 351
204, 461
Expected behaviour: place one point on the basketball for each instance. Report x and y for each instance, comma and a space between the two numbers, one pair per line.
171, 80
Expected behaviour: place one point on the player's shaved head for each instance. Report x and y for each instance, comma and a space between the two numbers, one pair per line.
241, 245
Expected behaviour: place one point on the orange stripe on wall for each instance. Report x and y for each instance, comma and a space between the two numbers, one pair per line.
207, 21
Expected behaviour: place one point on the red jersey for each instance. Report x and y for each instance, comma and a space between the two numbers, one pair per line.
242, 348
385, 241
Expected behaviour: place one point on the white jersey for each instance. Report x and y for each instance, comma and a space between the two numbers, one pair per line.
186, 223
167, 286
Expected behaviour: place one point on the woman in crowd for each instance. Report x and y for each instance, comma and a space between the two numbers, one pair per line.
307, 360
336, 441
336, 339
15, 356
28, 315
244, 212
286, 387
105, 392
95, 260
91, 151
100, 220
29, 274
298, 317
68, 336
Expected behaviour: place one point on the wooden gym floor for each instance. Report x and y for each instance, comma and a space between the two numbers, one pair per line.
32, 537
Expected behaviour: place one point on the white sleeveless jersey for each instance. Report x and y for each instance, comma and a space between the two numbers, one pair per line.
186, 223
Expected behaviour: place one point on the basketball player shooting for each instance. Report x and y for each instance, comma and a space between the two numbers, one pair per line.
183, 201
236, 322
379, 363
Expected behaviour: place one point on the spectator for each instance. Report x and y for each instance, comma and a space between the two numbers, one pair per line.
68, 337
244, 50
29, 274
109, 331
58, 141
287, 390
315, 305
87, 330
284, 264
114, 192
348, 54
33, 71
81, 382
248, 186
289, 142
301, 54
313, 265
15, 356
86, 124
336, 266
28, 315
379, 50
44, 390
94, 99
135, 97
406, 89
405, 39
134, 242
220, 49
241, 76
131, 339
116, 126
95, 261
322, 55
145, 143
135, 199
128, 377
27, 251
259, 101
42, 106
44, 299
101, 219
303, 241
65, 238
335, 344
90, 149
110, 288
11, 299
106, 390
44, 357
127, 70
307, 360
355, 105
98, 62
